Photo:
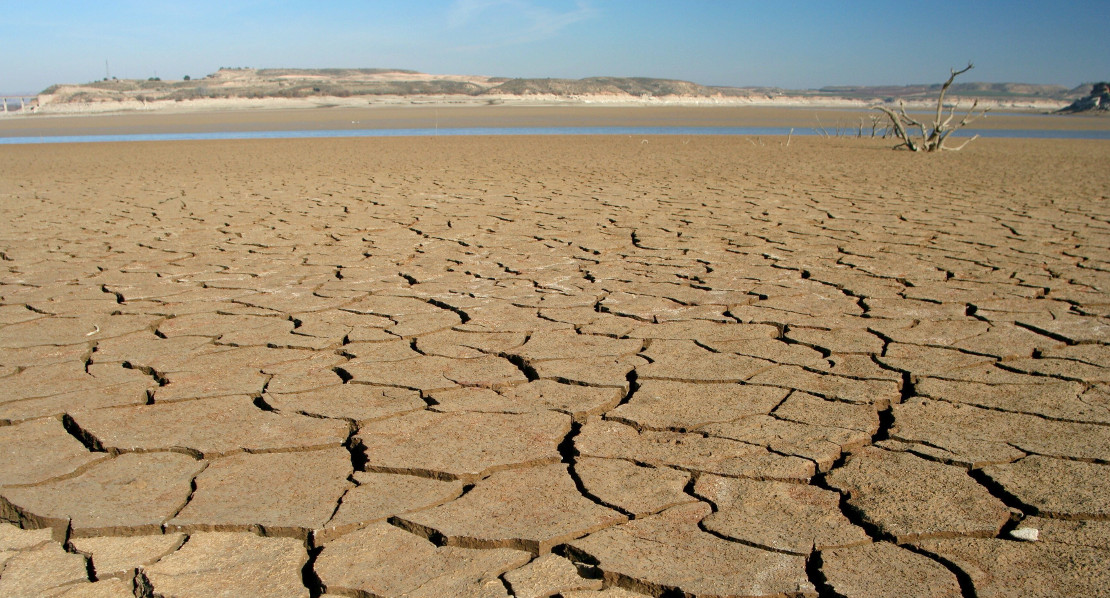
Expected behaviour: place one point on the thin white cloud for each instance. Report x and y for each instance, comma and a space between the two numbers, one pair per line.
531, 21
463, 12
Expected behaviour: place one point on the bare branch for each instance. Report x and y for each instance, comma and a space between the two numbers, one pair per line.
909, 121
906, 117
820, 126
970, 117
931, 138
951, 114
961, 146
899, 128
947, 84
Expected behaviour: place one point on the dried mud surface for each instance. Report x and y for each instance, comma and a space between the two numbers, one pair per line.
576, 366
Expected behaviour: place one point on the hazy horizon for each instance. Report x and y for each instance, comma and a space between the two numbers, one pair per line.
793, 45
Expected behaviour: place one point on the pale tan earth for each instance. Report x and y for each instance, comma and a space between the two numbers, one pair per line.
252, 89
540, 366
444, 116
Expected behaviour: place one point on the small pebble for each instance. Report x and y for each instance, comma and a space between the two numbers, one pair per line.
1029, 534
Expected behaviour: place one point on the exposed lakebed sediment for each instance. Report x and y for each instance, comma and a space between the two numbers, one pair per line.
604, 366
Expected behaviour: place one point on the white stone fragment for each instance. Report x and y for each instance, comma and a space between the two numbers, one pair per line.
1029, 534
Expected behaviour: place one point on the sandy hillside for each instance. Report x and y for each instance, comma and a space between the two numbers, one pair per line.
239, 88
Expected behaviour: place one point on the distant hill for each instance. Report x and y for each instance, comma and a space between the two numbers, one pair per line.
978, 90
300, 83
272, 83
634, 86
345, 83
339, 73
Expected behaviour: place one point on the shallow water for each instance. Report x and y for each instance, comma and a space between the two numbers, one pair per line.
431, 132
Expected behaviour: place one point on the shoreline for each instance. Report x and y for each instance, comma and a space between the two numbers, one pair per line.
280, 116
644, 134
542, 100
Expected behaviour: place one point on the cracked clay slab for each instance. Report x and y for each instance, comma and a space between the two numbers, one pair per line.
284, 493
1037, 481
462, 445
666, 405
380, 495
575, 400
43, 570
780, 516
357, 402
129, 494
435, 373
633, 488
669, 552
39, 450
884, 570
210, 427
503, 511
998, 568
908, 497
548, 575
118, 555
363, 562
692, 452
225, 563
976, 436
823, 445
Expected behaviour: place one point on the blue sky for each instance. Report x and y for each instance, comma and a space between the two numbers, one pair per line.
793, 44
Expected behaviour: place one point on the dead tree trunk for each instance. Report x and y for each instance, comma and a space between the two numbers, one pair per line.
931, 138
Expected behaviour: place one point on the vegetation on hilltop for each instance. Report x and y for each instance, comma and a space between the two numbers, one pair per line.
634, 86
330, 72
980, 90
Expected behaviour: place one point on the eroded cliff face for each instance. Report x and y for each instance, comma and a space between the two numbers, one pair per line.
328, 87
1097, 101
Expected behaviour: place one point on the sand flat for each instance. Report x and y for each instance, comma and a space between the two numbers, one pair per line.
186, 119
869, 289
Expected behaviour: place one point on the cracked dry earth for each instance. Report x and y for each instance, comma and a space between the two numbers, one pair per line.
585, 367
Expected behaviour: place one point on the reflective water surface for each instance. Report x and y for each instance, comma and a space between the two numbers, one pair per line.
769, 131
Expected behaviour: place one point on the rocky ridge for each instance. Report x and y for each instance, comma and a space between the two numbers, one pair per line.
1097, 101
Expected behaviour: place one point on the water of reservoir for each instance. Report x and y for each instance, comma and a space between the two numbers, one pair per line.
315, 134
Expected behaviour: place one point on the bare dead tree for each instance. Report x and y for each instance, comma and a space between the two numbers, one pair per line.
878, 126
820, 127
931, 138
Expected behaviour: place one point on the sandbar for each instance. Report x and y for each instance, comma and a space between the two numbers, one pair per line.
496, 116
